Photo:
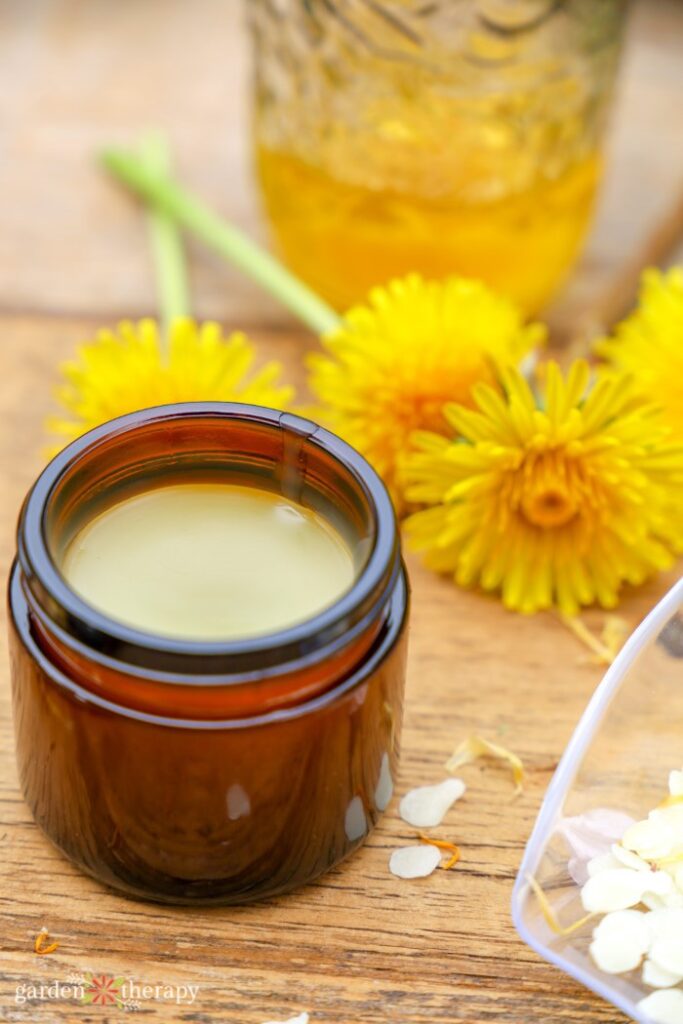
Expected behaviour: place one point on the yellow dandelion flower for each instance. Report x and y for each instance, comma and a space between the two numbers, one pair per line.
125, 370
391, 365
552, 502
649, 343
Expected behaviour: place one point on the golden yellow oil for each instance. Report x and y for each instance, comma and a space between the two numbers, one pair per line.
343, 238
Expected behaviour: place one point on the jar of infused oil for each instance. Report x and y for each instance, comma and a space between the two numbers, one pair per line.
457, 136
207, 635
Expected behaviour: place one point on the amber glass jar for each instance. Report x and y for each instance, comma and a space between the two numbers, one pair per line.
187, 771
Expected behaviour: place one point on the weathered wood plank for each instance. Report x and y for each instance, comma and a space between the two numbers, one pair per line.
359, 945
77, 74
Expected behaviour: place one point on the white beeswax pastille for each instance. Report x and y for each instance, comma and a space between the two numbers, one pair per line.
629, 859
666, 923
414, 861
613, 889
650, 839
601, 863
616, 956
657, 977
620, 941
667, 953
631, 923
664, 1007
426, 806
301, 1019
676, 783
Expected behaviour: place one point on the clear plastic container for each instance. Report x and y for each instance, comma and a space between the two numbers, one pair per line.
629, 738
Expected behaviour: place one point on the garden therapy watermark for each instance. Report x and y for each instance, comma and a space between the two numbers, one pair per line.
105, 990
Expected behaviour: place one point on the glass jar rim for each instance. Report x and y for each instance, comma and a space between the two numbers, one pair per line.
136, 648
398, 604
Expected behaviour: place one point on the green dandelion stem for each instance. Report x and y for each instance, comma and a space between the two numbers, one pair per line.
189, 211
166, 241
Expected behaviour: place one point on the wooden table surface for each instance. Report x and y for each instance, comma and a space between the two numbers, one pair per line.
359, 945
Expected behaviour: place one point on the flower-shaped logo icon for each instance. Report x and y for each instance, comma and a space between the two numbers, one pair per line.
103, 990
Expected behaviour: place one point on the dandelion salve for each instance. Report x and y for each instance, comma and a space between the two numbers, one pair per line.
208, 561
208, 626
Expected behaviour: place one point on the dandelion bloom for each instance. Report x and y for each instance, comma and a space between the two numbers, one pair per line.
649, 344
556, 501
129, 369
391, 365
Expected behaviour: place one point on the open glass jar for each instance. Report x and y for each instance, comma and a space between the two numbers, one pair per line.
451, 137
192, 770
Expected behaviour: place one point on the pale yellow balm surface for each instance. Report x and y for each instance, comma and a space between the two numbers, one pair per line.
208, 562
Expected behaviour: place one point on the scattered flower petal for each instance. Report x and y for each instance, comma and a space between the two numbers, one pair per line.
604, 648
414, 861
426, 806
40, 947
614, 634
602, 654
549, 914
443, 844
476, 746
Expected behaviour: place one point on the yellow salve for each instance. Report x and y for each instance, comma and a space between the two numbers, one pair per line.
208, 562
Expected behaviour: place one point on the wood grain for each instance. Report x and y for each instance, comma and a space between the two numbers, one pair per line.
78, 74
360, 945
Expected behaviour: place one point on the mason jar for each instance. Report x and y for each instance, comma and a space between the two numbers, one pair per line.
459, 136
